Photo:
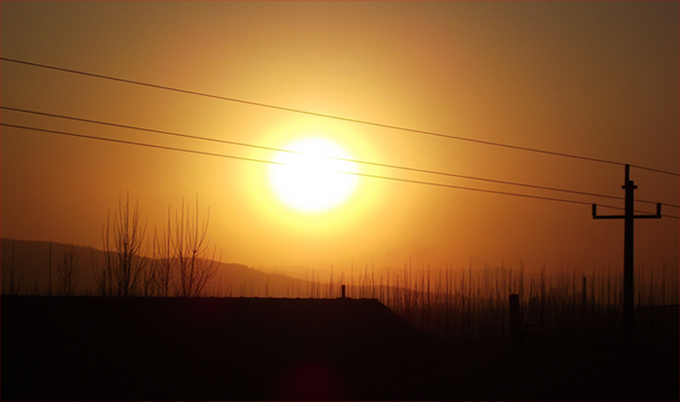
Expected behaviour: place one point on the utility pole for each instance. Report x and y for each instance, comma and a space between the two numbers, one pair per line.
628, 217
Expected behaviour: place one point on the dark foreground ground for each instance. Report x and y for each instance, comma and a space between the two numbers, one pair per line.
86, 348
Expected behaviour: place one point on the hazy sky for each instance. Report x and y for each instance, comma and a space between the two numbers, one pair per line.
598, 79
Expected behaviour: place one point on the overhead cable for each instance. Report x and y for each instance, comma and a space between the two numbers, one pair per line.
284, 164
329, 116
330, 157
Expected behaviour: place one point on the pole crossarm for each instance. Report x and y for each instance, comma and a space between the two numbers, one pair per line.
649, 216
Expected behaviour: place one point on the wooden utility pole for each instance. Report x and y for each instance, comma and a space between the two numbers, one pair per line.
628, 217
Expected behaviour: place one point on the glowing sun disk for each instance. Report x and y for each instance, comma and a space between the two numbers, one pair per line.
310, 177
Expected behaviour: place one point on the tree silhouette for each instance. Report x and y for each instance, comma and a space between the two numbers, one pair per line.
100, 279
67, 272
15, 284
182, 262
164, 260
122, 239
196, 264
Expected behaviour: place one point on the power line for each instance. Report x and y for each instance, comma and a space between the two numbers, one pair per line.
337, 158
328, 116
284, 164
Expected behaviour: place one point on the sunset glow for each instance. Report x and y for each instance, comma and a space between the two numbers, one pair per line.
172, 102
340, 200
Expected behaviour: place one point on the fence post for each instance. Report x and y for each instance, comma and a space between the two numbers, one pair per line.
516, 330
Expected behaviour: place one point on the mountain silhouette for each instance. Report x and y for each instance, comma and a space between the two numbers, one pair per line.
232, 279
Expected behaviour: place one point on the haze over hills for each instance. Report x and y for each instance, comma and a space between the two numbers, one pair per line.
32, 262
34, 267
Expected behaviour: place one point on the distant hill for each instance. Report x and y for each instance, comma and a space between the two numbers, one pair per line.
32, 262
32, 272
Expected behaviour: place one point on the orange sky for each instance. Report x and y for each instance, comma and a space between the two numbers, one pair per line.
598, 79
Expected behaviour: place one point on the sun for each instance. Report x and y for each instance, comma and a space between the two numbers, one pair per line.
310, 177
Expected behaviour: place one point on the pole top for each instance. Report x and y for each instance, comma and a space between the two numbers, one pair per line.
628, 182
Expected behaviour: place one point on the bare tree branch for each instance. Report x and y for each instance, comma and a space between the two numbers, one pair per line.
67, 272
15, 285
123, 249
164, 259
196, 264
